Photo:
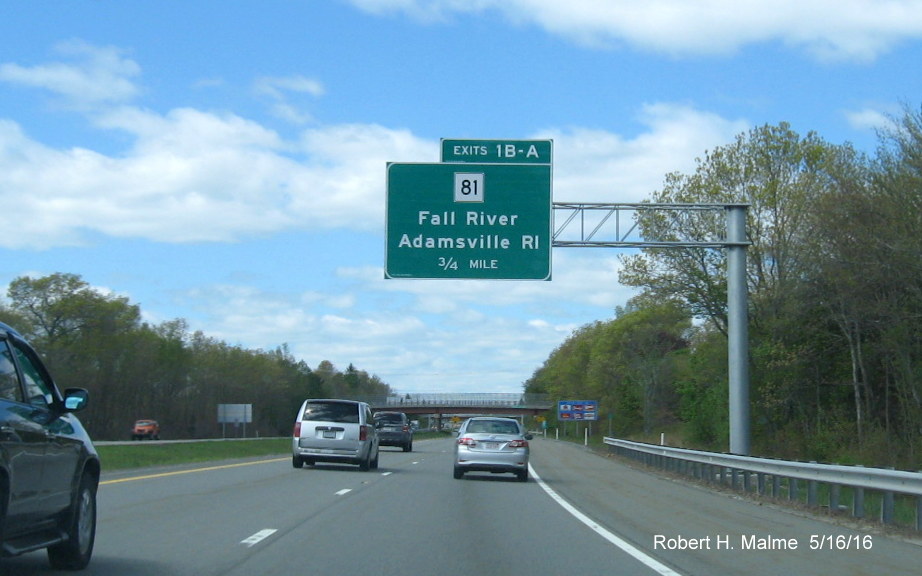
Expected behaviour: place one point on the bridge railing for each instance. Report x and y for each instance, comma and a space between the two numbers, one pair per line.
437, 400
794, 481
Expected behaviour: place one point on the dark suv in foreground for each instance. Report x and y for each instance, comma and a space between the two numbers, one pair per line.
49, 469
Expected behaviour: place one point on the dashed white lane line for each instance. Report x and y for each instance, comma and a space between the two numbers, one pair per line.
263, 534
625, 546
258, 537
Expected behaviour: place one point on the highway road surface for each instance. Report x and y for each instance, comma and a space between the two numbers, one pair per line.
579, 513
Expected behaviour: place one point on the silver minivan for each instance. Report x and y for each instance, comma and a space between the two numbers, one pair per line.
331, 430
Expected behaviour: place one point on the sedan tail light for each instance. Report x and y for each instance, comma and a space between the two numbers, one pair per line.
467, 441
519, 444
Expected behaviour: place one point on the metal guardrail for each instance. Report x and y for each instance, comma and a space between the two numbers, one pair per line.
780, 478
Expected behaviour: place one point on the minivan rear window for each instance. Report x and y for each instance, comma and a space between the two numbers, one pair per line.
331, 412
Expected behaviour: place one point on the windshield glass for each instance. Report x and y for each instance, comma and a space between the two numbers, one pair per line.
331, 412
389, 419
492, 427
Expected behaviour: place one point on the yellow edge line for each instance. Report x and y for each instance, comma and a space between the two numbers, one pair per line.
178, 472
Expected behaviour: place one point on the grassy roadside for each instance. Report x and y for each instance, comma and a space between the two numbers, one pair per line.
144, 454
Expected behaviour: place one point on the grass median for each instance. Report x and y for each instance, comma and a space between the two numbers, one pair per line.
145, 455
150, 454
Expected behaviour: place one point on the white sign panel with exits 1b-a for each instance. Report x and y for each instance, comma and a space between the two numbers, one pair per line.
470, 221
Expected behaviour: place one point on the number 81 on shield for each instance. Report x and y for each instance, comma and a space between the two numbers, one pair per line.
468, 187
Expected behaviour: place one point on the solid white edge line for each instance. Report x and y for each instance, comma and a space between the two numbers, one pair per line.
344, 491
630, 549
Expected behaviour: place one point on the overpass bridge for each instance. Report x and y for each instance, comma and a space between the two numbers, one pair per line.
470, 404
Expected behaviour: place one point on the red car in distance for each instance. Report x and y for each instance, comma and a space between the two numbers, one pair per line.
145, 429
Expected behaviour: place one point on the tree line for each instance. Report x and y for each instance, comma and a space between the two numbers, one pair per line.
135, 369
835, 301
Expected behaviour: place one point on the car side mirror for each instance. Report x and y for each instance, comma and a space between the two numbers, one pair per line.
75, 399
529, 437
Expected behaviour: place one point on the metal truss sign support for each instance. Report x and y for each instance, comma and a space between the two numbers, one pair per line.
593, 220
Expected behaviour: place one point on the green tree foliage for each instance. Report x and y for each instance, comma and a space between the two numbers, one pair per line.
835, 292
775, 172
868, 268
782, 177
628, 364
703, 391
136, 370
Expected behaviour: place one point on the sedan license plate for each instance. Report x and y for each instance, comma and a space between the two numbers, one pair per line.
491, 445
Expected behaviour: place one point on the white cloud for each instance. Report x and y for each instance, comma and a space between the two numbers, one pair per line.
828, 29
592, 165
277, 87
95, 76
869, 119
192, 176
189, 175
195, 176
432, 334
279, 91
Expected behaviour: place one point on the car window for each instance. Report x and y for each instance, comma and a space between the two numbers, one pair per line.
492, 427
38, 389
476, 427
331, 412
9, 380
507, 428
390, 418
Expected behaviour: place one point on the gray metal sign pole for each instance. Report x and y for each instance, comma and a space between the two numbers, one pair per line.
738, 330
607, 216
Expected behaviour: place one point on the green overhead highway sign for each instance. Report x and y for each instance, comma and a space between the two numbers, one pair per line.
469, 221
497, 151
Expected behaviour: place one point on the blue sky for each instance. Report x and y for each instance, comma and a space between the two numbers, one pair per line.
225, 162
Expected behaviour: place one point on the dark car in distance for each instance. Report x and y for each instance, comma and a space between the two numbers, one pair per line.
394, 429
49, 469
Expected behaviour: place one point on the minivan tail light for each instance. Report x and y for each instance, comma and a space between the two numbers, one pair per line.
297, 430
363, 433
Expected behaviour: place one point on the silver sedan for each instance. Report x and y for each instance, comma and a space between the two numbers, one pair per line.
490, 444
